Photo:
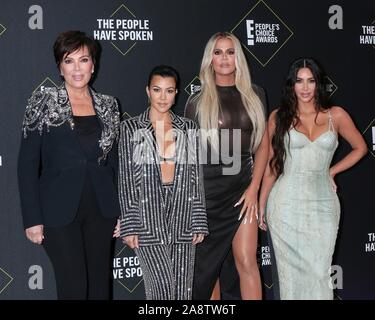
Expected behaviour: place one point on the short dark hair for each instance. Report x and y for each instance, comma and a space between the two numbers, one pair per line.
165, 72
70, 41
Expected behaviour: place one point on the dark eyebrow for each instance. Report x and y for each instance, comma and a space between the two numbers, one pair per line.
84, 56
155, 86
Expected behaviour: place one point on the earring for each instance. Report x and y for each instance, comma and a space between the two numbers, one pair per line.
92, 71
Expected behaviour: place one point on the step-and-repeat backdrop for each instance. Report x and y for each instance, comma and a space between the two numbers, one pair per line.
135, 35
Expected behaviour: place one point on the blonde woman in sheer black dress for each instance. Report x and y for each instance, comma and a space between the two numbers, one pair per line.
228, 102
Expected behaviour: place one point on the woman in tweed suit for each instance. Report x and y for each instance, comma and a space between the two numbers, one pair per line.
163, 212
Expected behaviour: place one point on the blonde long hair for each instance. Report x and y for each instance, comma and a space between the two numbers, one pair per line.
208, 104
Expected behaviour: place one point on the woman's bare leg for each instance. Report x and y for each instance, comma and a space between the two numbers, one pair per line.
216, 291
244, 251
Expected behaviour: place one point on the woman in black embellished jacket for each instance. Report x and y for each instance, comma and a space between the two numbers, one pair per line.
163, 213
67, 172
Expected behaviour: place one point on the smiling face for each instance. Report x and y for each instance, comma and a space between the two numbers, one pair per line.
305, 86
223, 58
161, 92
77, 68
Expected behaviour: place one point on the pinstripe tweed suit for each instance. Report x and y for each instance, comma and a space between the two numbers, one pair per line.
164, 217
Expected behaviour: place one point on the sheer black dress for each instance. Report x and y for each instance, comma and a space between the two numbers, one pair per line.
214, 257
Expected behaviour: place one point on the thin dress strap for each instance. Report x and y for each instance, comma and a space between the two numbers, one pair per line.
331, 127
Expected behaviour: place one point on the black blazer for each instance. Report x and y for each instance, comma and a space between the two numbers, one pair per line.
52, 165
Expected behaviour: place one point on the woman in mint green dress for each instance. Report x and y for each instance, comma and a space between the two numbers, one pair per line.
298, 199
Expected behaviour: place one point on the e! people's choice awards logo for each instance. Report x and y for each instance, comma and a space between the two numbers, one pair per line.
123, 29
46, 83
264, 262
262, 32
194, 86
331, 87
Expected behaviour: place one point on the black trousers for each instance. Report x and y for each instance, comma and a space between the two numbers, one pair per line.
81, 252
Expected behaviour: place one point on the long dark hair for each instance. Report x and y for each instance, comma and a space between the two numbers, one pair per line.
286, 115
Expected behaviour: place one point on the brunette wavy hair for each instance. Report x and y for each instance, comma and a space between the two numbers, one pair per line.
287, 116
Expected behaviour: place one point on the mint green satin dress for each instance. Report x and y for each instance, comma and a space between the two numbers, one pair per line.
303, 215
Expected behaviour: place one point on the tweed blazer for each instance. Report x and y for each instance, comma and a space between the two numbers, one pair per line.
52, 164
143, 211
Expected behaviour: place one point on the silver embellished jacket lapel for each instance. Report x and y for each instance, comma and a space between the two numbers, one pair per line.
51, 108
